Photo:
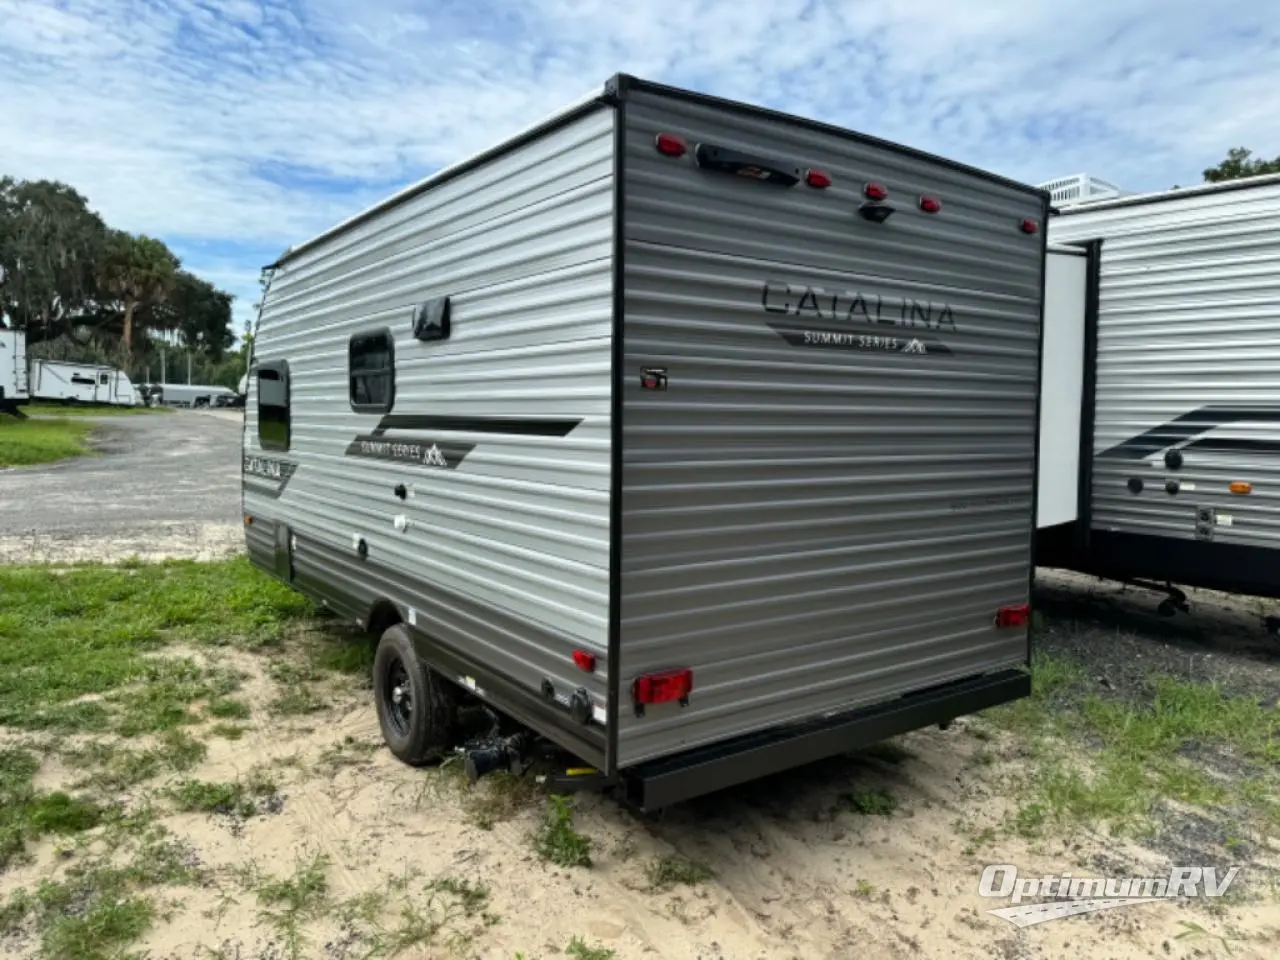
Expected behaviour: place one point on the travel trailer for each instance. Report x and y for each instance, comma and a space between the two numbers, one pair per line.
1160, 445
13, 371
696, 437
55, 381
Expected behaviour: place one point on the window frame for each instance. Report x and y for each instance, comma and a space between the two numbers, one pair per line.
384, 334
281, 369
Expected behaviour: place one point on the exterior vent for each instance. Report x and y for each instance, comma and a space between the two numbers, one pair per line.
1079, 188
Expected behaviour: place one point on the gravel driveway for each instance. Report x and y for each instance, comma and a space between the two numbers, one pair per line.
163, 485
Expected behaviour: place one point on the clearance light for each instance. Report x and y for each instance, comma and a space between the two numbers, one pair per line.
669, 145
1014, 616
818, 179
1239, 486
584, 661
930, 204
663, 687
875, 191
1028, 226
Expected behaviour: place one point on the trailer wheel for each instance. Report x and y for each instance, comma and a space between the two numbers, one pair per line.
417, 708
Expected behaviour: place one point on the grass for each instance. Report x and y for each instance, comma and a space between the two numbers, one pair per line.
499, 797
287, 904
101, 906
226, 708
87, 410
27, 814
870, 802
24, 443
117, 767
556, 840
1145, 750
579, 949
77, 644
238, 798
667, 871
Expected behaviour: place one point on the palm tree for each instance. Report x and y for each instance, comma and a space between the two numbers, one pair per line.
139, 270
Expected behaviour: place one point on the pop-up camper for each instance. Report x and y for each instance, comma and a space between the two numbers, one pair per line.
697, 437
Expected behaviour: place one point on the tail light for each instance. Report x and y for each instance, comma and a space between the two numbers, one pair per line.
584, 661
930, 204
663, 687
1014, 616
1029, 226
818, 179
669, 145
875, 191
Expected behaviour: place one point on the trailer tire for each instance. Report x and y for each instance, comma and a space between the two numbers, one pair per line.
417, 708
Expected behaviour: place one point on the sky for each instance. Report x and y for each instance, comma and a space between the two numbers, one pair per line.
232, 129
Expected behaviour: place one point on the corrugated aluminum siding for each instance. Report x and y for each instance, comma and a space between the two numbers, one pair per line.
1188, 359
814, 529
505, 558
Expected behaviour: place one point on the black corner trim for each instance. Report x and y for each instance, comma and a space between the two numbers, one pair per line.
661, 783
495, 425
617, 381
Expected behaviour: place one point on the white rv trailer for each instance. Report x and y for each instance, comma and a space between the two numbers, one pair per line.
13, 370
56, 381
1160, 456
697, 437
189, 394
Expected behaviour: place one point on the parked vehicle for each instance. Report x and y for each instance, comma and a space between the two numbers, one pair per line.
697, 437
189, 394
59, 382
13, 371
1164, 334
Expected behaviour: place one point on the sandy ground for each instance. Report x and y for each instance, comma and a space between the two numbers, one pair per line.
797, 873
163, 485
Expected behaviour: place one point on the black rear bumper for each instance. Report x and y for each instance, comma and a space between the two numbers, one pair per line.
660, 783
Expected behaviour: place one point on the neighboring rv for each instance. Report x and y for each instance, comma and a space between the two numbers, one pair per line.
697, 437
190, 394
13, 371
1162, 390
53, 380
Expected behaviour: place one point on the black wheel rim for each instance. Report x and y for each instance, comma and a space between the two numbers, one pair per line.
397, 698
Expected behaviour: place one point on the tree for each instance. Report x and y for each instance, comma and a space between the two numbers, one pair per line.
50, 245
1240, 163
198, 312
142, 272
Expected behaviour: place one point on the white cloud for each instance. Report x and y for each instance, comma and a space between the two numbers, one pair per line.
247, 125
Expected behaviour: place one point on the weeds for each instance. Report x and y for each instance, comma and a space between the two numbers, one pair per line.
225, 708
228, 731
285, 905
580, 950
100, 908
120, 768
237, 798
498, 797
27, 814
869, 802
667, 871
557, 841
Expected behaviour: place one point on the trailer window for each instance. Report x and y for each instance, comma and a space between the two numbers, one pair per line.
273, 405
372, 372
104, 379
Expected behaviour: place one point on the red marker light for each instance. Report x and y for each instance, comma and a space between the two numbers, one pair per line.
875, 191
1014, 616
818, 179
1028, 226
584, 661
669, 145
663, 687
930, 204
